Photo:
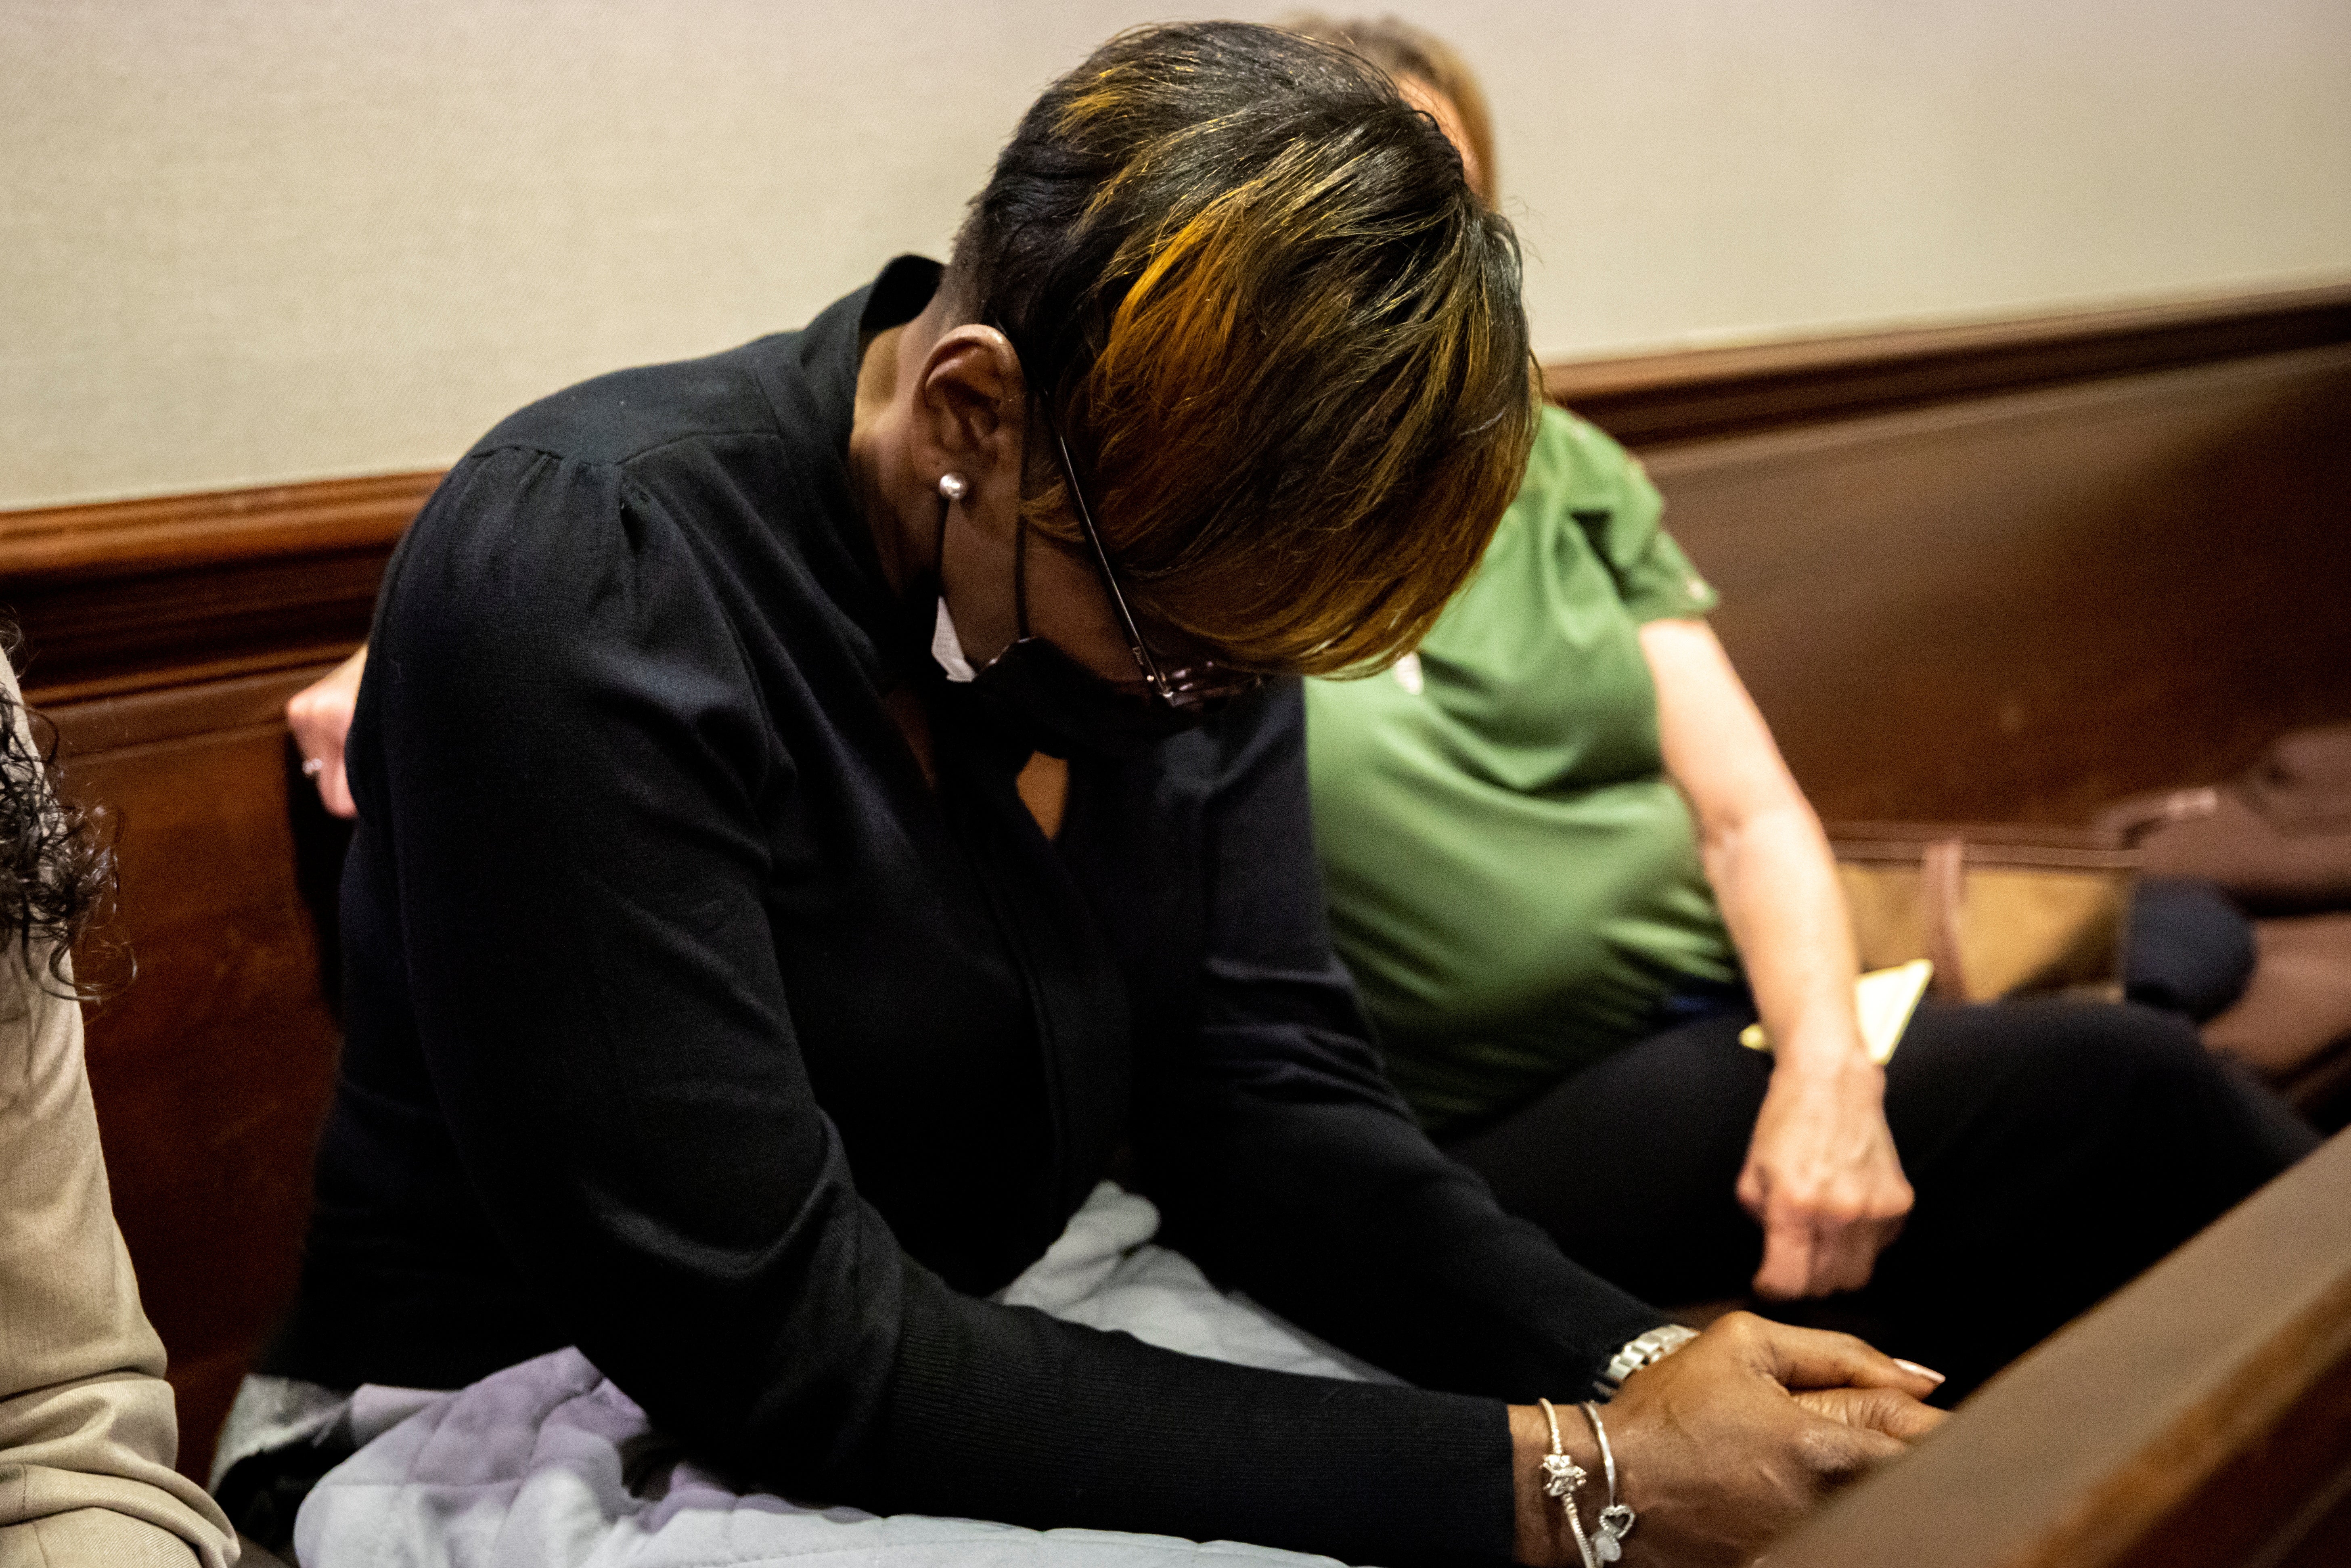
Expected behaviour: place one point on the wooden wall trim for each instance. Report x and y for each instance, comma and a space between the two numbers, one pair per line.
115, 538
2194, 1417
1649, 400
139, 595
168, 628
129, 596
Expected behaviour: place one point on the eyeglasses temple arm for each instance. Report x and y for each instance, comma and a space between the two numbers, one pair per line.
1143, 659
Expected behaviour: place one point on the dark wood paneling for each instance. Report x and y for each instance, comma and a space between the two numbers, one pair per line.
2018, 608
173, 713
130, 595
86, 640
1650, 399
2201, 1416
211, 1070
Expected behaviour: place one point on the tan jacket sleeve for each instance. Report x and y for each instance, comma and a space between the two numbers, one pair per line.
88, 1431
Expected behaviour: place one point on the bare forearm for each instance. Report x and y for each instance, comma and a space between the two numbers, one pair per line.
1822, 1175
1777, 885
1764, 851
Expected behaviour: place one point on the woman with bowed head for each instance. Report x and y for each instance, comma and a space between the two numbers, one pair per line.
715, 1006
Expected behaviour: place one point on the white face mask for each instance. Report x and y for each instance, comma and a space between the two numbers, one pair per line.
947, 648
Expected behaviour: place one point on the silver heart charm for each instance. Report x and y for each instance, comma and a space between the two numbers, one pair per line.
1615, 1523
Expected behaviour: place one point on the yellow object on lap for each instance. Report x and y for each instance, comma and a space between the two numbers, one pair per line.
1884, 998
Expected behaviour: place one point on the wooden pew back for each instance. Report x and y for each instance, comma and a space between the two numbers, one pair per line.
211, 1068
2021, 608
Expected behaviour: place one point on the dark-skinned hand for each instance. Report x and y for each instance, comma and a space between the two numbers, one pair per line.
1726, 1443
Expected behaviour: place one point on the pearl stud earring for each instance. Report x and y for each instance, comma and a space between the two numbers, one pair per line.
954, 487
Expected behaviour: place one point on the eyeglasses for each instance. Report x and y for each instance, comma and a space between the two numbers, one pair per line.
1191, 687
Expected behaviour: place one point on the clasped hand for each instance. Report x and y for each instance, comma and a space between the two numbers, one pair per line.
1724, 1444
1821, 1177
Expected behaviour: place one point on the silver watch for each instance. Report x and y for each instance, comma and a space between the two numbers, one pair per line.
1642, 1350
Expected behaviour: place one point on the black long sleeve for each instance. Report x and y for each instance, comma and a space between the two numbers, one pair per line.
1285, 1161
689, 1025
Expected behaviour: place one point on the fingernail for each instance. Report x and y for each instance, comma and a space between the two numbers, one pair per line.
1921, 1370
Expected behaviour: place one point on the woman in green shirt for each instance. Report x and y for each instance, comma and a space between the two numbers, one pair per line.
1561, 824
1567, 865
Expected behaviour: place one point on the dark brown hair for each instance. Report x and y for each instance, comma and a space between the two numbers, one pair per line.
1402, 50
1281, 334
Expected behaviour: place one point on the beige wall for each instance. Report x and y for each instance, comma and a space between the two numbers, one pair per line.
253, 240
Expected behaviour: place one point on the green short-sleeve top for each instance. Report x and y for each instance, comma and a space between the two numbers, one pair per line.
1513, 880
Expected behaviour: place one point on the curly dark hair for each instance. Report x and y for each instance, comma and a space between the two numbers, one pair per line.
57, 861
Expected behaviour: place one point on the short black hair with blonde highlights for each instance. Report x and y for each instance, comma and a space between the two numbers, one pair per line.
1282, 336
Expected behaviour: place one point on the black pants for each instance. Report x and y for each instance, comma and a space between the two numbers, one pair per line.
2056, 1149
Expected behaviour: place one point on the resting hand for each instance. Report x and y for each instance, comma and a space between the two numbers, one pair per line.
1822, 1176
319, 715
1725, 1444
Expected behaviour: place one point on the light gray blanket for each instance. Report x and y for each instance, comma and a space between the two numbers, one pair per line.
547, 1465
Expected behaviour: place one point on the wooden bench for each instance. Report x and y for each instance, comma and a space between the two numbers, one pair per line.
1994, 574
2201, 1417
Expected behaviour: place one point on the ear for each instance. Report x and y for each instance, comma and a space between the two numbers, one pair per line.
970, 413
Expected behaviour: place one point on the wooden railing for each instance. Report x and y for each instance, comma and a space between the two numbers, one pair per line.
2200, 1418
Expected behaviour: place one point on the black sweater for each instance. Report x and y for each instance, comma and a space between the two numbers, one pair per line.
689, 1025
